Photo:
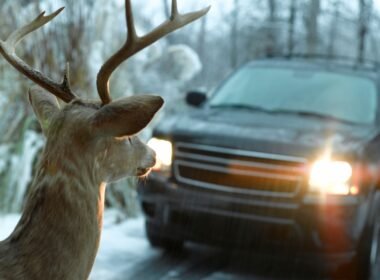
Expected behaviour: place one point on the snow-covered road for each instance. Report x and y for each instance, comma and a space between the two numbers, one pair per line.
125, 254
122, 246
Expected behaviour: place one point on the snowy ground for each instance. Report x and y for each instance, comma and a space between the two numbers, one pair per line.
121, 245
125, 254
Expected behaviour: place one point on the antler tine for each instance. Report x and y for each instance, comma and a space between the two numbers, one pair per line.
135, 43
174, 9
8, 48
131, 30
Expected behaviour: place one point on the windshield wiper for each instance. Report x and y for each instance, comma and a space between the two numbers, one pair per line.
241, 106
284, 111
313, 115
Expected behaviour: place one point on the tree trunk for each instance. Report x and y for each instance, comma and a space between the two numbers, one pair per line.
291, 22
365, 10
166, 8
202, 39
333, 29
234, 35
311, 22
271, 34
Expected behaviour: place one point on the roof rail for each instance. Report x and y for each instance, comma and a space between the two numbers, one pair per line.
355, 63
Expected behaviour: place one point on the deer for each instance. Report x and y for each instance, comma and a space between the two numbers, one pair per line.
88, 144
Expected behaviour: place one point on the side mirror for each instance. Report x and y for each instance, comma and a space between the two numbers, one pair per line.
196, 98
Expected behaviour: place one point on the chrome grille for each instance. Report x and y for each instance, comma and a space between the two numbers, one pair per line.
238, 171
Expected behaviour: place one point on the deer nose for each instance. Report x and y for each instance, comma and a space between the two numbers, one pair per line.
149, 164
150, 160
153, 161
153, 157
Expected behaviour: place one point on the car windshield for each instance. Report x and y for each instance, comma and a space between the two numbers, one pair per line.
315, 93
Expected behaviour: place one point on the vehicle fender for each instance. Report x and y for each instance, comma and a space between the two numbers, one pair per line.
374, 210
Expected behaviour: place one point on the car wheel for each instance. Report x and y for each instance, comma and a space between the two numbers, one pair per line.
156, 240
370, 265
375, 253
369, 253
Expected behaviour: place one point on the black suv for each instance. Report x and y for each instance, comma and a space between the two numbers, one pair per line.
283, 156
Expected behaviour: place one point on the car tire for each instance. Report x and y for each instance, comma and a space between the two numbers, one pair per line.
368, 256
156, 240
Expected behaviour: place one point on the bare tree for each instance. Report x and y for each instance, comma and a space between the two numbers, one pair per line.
234, 35
291, 22
202, 38
166, 8
271, 34
333, 28
365, 11
311, 23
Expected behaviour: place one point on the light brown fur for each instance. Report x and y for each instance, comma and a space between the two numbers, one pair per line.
59, 231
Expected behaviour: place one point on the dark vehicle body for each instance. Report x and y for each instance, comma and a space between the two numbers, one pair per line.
239, 177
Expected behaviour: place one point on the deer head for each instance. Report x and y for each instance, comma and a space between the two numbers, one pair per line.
104, 129
89, 143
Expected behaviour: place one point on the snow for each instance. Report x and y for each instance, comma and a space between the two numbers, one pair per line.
7, 224
121, 244
20, 171
184, 61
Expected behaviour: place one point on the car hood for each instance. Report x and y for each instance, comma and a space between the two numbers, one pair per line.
286, 134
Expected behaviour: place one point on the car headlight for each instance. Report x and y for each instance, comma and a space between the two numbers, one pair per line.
331, 177
164, 152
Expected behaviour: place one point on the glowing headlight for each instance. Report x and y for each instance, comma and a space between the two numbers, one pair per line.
163, 151
328, 176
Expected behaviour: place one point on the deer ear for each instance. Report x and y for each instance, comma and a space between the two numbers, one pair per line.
44, 106
126, 116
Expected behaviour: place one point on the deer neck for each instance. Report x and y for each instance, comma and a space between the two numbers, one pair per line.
62, 220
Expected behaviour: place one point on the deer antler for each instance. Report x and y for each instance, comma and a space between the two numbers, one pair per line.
8, 47
135, 43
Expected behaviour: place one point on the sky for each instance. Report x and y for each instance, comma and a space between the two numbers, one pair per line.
219, 7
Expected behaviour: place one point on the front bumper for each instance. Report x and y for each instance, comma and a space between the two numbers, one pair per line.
307, 224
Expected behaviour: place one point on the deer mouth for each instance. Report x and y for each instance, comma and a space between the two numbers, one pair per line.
141, 172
